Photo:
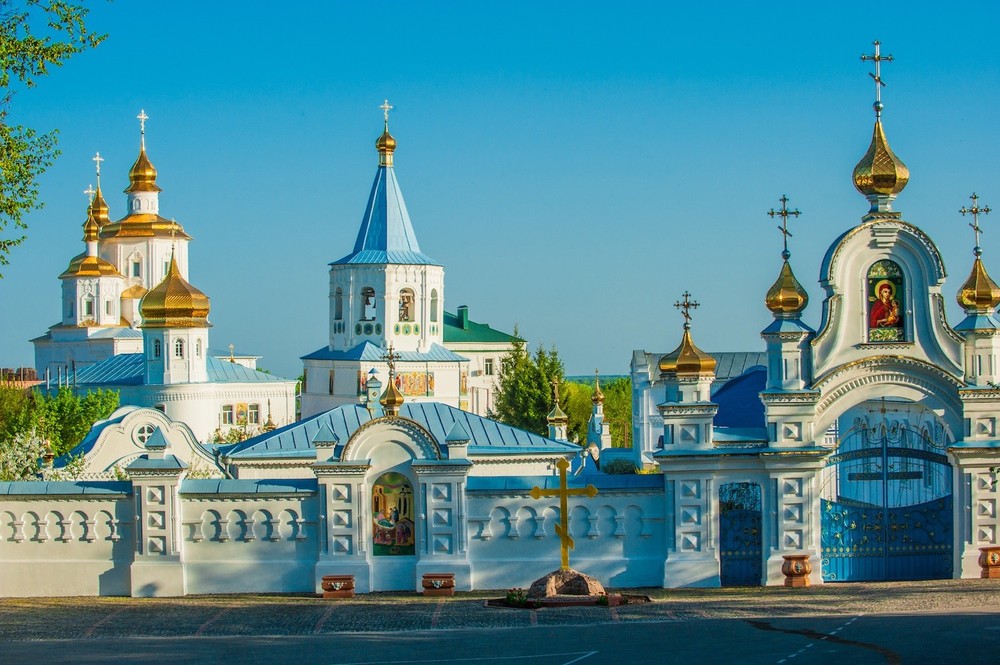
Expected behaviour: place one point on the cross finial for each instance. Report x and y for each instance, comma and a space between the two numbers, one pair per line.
142, 117
97, 160
385, 111
686, 306
975, 211
231, 347
555, 389
90, 191
784, 214
390, 358
878, 59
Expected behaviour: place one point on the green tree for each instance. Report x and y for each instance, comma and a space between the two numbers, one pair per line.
575, 400
34, 36
524, 390
618, 410
19, 456
65, 418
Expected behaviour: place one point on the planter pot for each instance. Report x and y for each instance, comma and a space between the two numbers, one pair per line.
989, 561
438, 584
338, 586
796, 569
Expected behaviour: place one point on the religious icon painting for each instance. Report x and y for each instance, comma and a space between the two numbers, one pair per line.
885, 302
392, 515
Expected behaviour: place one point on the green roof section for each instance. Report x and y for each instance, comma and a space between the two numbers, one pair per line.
459, 329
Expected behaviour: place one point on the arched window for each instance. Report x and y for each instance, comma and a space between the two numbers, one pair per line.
434, 305
179, 348
886, 302
368, 305
338, 304
392, 515
406, 305
157, 349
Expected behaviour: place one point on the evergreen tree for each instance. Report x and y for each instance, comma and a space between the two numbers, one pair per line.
524, 389
618, 410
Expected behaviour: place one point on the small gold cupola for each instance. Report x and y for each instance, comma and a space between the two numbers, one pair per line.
174, 303
880, 175
979, 293
687, 359
89, 264
556, 415
385, 144
786, 296
98, 205
598, 396
142, 175
392, 398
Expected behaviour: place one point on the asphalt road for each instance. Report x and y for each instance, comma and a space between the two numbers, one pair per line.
966, 637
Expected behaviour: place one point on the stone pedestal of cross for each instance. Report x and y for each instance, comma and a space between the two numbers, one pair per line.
562, 527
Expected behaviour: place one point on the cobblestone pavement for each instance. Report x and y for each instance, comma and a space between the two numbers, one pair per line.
282, 615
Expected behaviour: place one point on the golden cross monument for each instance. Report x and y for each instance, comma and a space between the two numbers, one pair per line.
562, 526
784, 214
878, 59
976, 211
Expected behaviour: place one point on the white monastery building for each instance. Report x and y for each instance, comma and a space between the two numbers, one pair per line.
864, 449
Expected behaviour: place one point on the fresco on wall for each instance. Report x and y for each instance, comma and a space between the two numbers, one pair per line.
415, 384
885, 302
392, 515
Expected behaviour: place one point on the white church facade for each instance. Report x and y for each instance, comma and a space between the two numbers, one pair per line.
132, 323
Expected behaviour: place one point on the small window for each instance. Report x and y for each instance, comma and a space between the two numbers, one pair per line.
197, 348
143, 433
253, 414
137, 269
406, 303
331, 382
488, 367
338, 304
69, 309
88, 307
157, 348
434, 305
166, 268
227, 414
179, 348
107, 307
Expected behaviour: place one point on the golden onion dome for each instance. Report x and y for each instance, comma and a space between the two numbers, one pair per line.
90, 227
391, 399
385, 145
174, 303
979, 292
142, 175
134, 292
786, 295
598, 396
687, 359
880, 171
89, 266
100, 209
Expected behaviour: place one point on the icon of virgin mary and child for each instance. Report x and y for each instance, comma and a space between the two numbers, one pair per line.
884, 311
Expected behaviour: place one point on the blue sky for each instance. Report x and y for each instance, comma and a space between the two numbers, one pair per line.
574, 170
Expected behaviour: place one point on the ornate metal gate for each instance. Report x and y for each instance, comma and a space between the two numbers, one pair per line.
887, 505
740, 544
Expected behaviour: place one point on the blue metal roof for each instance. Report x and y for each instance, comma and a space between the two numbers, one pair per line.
64, 487
122, 332
786, 325
977, 322
486, 437
368, 352
386, 234
262, 486
167, 463
127, 369
739, 401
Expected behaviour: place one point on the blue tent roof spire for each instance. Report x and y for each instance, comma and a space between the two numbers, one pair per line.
386, 234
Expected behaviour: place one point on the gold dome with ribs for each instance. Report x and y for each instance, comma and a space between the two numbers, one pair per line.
786, 295
174, 303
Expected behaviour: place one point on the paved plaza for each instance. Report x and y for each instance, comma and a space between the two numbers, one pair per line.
878, 623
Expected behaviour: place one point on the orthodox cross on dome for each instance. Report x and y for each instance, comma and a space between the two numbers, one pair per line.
564, 492
90, 191
686, 306
142, 117
390, 358
784, 214
97, 160
385, 111
878, 59
976, 211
